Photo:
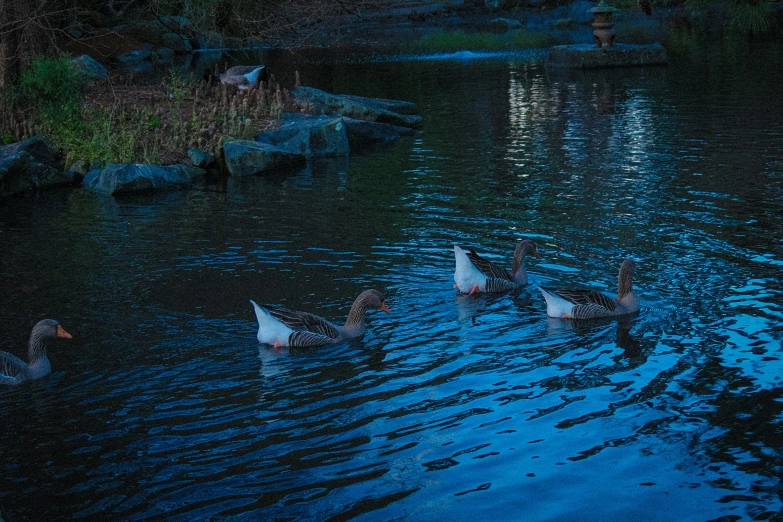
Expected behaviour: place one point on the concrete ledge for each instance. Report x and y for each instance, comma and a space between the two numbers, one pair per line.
586, 56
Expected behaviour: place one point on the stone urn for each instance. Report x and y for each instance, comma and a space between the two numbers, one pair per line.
603, 23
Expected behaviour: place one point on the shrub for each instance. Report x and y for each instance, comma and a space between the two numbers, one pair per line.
51, 87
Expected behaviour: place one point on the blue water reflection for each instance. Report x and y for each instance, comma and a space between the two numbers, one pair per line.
451, 407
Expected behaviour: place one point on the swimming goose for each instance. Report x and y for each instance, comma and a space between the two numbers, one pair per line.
282, 327
474, 274
589, 304
13, 370
244, 76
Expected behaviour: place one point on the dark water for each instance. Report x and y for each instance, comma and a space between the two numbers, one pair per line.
451, 407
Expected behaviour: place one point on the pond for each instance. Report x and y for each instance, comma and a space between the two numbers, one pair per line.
451, 407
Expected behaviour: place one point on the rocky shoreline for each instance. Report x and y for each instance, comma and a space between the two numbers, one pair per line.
326, 124
333, 126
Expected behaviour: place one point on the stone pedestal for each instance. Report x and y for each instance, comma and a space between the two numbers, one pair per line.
603, 23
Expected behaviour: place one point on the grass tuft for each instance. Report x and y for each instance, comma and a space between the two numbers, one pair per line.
754, 18
133, 124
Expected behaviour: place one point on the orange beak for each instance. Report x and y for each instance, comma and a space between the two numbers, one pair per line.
62, 333
385, 308
538, 256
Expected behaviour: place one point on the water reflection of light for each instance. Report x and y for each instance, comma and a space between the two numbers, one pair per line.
633, 132
530, 110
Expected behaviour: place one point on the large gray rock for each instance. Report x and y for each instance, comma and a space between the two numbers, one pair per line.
395, 112
247, 158
362, 132
89, 68
312, 136
30, 164
134, 177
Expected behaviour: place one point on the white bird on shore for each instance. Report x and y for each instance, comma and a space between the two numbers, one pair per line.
244, 76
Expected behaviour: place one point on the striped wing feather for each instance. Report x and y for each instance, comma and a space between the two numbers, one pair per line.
301, 339
588, 311
11, 366
495, 284
586, 297
488, 268
304, 322
241, 69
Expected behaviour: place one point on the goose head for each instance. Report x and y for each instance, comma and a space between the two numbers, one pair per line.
373, 299
49, 328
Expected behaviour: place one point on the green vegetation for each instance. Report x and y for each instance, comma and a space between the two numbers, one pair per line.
51, 87
452, 41
148, 125
747, 17
754, 18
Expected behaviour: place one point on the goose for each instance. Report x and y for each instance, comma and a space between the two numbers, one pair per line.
13, 370
589, 304
244, 76
283, 327
474, 274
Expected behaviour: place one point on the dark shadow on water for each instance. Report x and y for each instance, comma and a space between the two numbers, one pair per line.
590, 327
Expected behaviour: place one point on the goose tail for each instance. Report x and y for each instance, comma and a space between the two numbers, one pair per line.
556, 306
270, 330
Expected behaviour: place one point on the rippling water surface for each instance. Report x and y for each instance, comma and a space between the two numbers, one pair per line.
452, 407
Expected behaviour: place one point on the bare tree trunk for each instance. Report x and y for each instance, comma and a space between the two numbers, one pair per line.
9, 44
25, 31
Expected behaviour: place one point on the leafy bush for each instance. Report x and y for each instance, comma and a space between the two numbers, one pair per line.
51, 86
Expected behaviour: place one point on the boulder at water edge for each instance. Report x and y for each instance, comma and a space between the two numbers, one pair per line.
362, 132
119, 178
395, 112
246, 158
30, 164
313, 136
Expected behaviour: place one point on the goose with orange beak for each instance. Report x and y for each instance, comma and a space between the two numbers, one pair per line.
13, 370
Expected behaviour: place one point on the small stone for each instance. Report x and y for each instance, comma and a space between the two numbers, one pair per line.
200, 159
80, 167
